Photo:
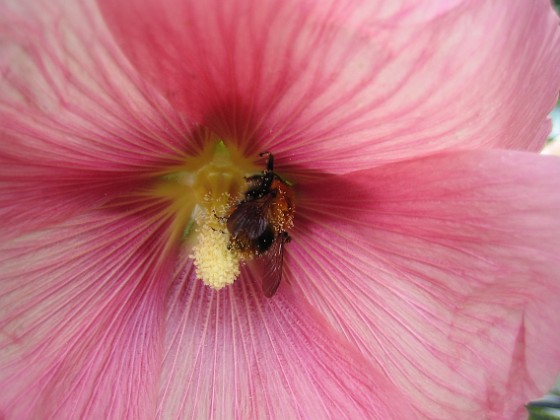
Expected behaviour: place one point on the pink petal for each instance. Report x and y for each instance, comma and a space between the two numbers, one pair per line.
69, 97
344, 85
34, 197
77, 123
82, 312
234, 354
444, 271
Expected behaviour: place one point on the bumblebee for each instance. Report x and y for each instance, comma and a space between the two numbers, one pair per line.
258, 224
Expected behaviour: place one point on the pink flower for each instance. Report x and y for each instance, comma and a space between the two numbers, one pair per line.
422, 275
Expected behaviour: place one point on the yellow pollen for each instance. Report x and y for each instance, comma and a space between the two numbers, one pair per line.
216, 264
201, 193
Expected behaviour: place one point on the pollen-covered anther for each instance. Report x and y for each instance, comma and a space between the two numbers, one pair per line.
216, 262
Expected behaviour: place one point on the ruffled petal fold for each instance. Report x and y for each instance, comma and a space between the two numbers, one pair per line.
340, 85
82, 318
234, 354
444, 271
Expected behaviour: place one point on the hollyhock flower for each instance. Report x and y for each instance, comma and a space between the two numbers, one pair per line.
421, 275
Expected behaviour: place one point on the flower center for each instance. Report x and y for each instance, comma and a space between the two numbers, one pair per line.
201, 192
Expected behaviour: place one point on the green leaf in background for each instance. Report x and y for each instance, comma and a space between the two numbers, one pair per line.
547, 408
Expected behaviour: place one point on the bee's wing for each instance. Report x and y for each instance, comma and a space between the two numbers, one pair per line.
274, 260
249, 218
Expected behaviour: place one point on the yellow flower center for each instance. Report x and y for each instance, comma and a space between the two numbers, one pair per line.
201, 193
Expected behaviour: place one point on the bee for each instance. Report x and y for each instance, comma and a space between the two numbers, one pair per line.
258, 224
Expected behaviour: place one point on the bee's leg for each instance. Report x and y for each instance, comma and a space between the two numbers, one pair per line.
253, 179
270, 162
222, 219
218, 230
